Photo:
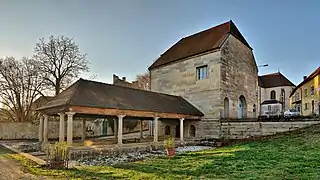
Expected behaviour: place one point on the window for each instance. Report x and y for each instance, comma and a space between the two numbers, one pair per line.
202, 72
312, 90
273, 94
269, 108
305, 106
305, 92
282, 95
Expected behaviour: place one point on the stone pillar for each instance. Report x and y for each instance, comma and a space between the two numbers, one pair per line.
141, 129
84, 129
155, 129
70, 128
120, 128
45, 128
61, 127
41, 129
181, 129
115, 129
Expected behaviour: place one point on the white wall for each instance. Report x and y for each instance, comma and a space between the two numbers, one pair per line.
265, 94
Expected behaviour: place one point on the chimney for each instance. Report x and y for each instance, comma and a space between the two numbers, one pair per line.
304, 77
124, 78
115, 77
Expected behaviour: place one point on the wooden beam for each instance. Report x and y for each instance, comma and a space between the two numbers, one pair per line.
133, 113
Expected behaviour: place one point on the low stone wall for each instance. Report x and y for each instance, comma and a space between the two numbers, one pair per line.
243, 130
87, 153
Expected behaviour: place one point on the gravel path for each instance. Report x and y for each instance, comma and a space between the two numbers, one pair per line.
10, 169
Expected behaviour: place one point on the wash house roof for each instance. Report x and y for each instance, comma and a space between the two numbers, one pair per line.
198, 43
90, 97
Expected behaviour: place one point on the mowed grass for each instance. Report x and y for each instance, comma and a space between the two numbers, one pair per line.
295, 156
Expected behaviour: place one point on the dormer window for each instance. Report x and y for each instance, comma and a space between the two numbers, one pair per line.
202, 72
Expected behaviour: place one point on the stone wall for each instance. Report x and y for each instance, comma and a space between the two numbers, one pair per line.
243, 130
180, 78
239, 76
26, 130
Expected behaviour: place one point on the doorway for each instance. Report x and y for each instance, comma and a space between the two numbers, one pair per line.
167, 130
177, 131
242, 107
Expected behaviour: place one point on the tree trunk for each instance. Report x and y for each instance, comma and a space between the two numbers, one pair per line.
57, 87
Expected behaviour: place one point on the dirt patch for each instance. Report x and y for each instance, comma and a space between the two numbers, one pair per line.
10, 169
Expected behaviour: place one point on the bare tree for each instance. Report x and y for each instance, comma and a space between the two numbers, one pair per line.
143, 81
20, 84
60, 60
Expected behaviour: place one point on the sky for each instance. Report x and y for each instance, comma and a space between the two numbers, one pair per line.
125, 37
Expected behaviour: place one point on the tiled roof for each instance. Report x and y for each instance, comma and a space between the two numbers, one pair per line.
201, 42
274, 80
96, 94
310, 77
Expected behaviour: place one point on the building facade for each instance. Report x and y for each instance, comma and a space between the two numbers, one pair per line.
215, 71
274, 94
306, 96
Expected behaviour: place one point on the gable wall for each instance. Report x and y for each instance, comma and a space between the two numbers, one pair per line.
239, 76
265, 94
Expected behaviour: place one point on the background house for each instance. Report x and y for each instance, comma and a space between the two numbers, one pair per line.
306, 96
215, 70
274, 93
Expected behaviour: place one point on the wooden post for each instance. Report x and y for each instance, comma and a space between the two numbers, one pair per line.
84, 128
141, 129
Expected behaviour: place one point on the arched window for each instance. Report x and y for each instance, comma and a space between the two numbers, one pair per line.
192, 131
167, 130
254, 111
273, 94
226, 108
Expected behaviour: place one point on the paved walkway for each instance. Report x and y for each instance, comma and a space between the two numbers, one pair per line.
10, 169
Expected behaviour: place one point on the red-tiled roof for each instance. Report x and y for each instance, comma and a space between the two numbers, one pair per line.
274, 80
310, 77
201, 42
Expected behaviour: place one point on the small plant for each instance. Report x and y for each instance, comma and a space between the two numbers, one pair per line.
57, 155
169, 143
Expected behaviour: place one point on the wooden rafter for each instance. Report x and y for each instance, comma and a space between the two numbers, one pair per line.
133, 113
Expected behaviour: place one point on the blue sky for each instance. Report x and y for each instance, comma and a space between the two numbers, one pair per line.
125, 36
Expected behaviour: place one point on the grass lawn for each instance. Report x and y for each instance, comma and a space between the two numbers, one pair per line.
289, 157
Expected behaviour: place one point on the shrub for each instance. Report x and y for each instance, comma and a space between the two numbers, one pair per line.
57, 155
169, 143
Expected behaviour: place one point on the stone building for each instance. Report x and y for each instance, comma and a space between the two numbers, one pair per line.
305, 98
215, 70
274, 88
